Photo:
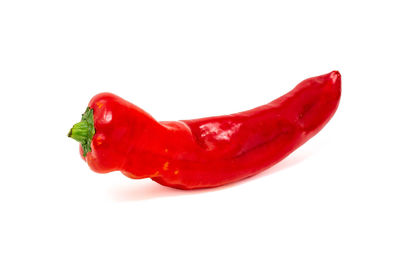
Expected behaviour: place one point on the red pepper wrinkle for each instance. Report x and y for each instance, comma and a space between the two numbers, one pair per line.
208, 152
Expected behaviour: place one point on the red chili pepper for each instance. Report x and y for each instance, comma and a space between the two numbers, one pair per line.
116, 135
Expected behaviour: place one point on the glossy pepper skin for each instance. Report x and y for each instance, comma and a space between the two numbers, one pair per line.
207, 152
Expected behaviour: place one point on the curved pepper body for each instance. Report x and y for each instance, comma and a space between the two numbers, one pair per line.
208, 152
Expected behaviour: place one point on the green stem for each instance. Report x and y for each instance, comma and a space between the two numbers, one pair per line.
84, 131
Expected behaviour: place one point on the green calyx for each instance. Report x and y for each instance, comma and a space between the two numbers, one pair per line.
84, 131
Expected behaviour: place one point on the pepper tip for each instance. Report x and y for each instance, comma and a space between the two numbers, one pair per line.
335, 76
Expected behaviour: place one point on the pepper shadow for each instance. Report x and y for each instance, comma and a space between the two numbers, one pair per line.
153, 190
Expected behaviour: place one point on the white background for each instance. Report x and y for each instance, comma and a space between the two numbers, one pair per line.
333, 202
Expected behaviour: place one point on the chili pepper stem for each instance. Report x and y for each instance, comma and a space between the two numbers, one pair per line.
84, 131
